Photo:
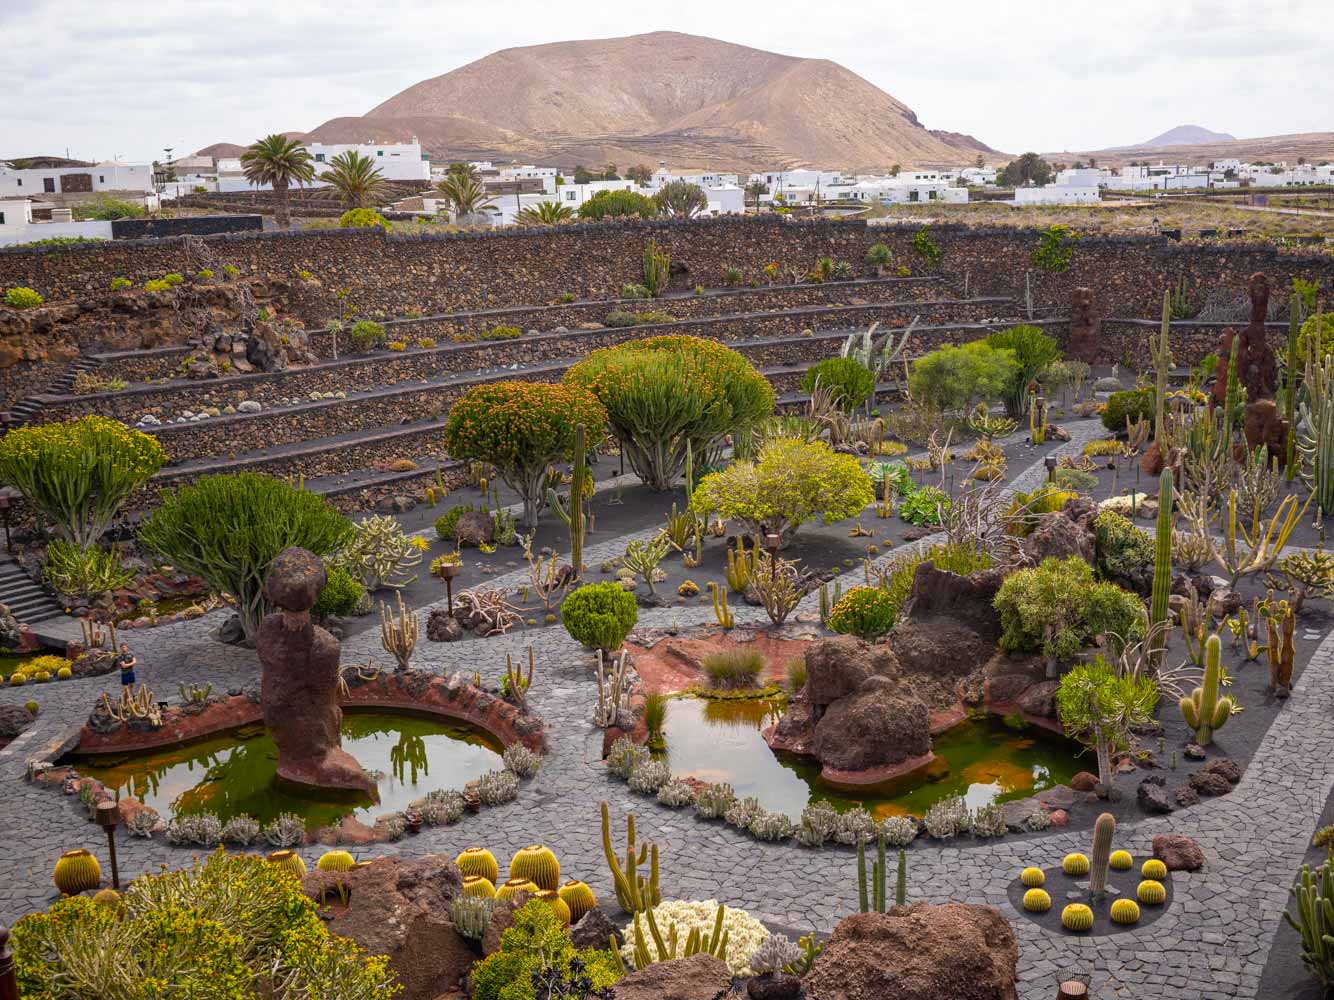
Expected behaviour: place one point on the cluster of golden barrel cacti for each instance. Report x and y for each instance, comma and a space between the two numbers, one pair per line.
534, 870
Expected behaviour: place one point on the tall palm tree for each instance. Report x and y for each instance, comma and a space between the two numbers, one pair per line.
355, 177
278, 161
544, 213
464, 193
458, 167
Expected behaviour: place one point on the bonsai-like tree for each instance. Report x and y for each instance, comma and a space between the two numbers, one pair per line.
663, 394
792, 482
279, 162
682, 200
521, 428
79, 473
226, 530
355, 177
1100, 708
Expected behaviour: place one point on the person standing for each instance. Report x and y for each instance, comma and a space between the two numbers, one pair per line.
126, 661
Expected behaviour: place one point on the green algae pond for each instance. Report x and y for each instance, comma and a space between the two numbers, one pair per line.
235, 773
983, 758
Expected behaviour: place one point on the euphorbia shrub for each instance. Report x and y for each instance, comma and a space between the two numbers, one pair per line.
847, 380
792, 482
666, 392
78, 473
521, 428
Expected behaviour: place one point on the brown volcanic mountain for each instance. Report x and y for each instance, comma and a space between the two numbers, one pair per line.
1316, 147
687, 100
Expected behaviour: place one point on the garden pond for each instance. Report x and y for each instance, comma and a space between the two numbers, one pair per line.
985, 759
236, 773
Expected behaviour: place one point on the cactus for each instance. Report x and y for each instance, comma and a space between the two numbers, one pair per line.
828, 599
634, 892
901, 882
1154, 870
538, 864
1316, 421
1235, 399
1032, 878
1121, 861
720, 609
476, 885
578, 897
1075, 865
1037, 419
1295, 318
1125, 911
1162, 565
1203, 710
76, 872
740, 568
513, 887
290, 861
471, 915
558, 906
1313, 896
1037, 901
133, 703
1077, 917
517, 683
574, 518
1280, 623
1151, 892
480, 862
612, 687
1103, 830
108, 897
876, 901
336, 861
666, 949
398, 635
657, 269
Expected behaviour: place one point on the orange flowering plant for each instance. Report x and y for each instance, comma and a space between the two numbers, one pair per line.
521, 428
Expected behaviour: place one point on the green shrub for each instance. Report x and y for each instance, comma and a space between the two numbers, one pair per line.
959, 557
634, 290
340, 597
156, 285
900, 478
211, 932
663, 393
362, 218
1122, 550
205, 273
521, 428
1058, 608
78, 473
599, 615
1033, 352
733, 276
924, 506
792, 482
107, 209
1326, 342
623, 317
447, 524
366, 335
1076, 480
227, 529
1133, 403
1026, 509
501, 333
848, 380
83, 572
953, 378
614, 204
866, 612
533, 943
1055, 249
22, 297
879, 255
927, 247
734, 668
118, 283
173, 279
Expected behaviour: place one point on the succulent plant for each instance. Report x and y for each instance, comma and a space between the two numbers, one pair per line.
1104, 828
818, 823
771, 826
243, 830
948, 817
899, 831
1125, 911
202, 829
471, 915
714, 800
578, 897
1151, 892
522, 761
677, 794
1154, 870
1032, 878
1077, 917
336, 861
1121, 861
480, 862
77, 871
286, 830
514, 886
1037, 900
649, 776
774, 954
289, 860
989, 821
856, 826
143, 822
743, 811
537, 864
551, 898
497, 787
476, 885
1075, 865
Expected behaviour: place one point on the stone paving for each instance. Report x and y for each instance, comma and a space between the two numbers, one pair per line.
1211, 943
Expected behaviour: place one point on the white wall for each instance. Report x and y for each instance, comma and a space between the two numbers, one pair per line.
397, 161
104, 177
1056, 194
50, 230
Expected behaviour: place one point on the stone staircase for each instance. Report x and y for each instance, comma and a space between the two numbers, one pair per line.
28, 407
26, 600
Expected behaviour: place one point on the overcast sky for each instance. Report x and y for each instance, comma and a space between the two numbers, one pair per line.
123, 79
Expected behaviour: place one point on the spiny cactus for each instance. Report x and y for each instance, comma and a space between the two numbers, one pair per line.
657, 269
1151, 892
398, 633
634, 892
1121, 861
612, 689
1280, 624
76, 872
475, 885
1104, 828
1203, 709
1125, 911
336, 861
876, 900
1295, 319
1077, 917
480, 862
1075, 865
538, 864
471, 915
1037, 900
1162, 364
720, 609
740, 568
666, 948
578, 897
290, 861
1153, 869
1162, 564
1032, 878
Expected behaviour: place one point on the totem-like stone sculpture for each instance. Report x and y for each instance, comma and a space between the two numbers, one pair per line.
299, 690
1085, 326
1257, 371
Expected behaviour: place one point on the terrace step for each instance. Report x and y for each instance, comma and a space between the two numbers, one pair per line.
27, 601
27, 408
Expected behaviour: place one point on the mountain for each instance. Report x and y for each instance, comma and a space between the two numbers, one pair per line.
1314, 147
221, 149
1188, 135
683, 99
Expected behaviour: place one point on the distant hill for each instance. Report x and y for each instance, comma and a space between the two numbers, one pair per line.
1314, 147
221, 149
1188, 135
665, 96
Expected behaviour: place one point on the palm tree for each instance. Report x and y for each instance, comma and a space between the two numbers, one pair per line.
355, 177
461, 169
278, 161
544, 213
464, 193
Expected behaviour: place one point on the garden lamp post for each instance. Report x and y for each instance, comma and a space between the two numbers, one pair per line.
771, 542
447, 573
108, 818
1050, 463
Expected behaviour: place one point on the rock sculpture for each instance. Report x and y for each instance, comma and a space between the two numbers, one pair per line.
299, 690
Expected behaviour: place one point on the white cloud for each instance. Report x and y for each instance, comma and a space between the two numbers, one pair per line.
128, 78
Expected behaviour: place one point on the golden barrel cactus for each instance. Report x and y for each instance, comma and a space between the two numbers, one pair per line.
578, 897
336, 861
538, 864
479, 861
558, 906
515, 886
76, 872
476, 885
289, 860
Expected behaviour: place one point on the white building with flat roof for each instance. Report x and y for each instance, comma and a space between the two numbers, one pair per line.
129, 178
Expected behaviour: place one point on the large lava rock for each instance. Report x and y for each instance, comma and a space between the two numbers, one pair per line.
966, 601
836, 667
882, 723
699, 977
918, 952
400, 908
13, 720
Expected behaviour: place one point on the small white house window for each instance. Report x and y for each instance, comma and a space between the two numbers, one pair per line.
379, 152
101, 179
2, 218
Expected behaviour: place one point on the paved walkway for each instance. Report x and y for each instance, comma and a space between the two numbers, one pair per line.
1211, 943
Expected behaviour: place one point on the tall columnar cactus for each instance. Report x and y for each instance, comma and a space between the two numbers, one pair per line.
1314, 920
1295, 311
876, 901
634, 892
1280, 624
1103, 830
657, 269
1234, 400
901, 883
1162, 566
574, 518
1317, 424
1162, 364
1203, 710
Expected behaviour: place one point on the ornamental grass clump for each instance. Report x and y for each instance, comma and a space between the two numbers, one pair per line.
792, 482
866, 612
729, 669
663, 394
848, 381
227, 529
78, 473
